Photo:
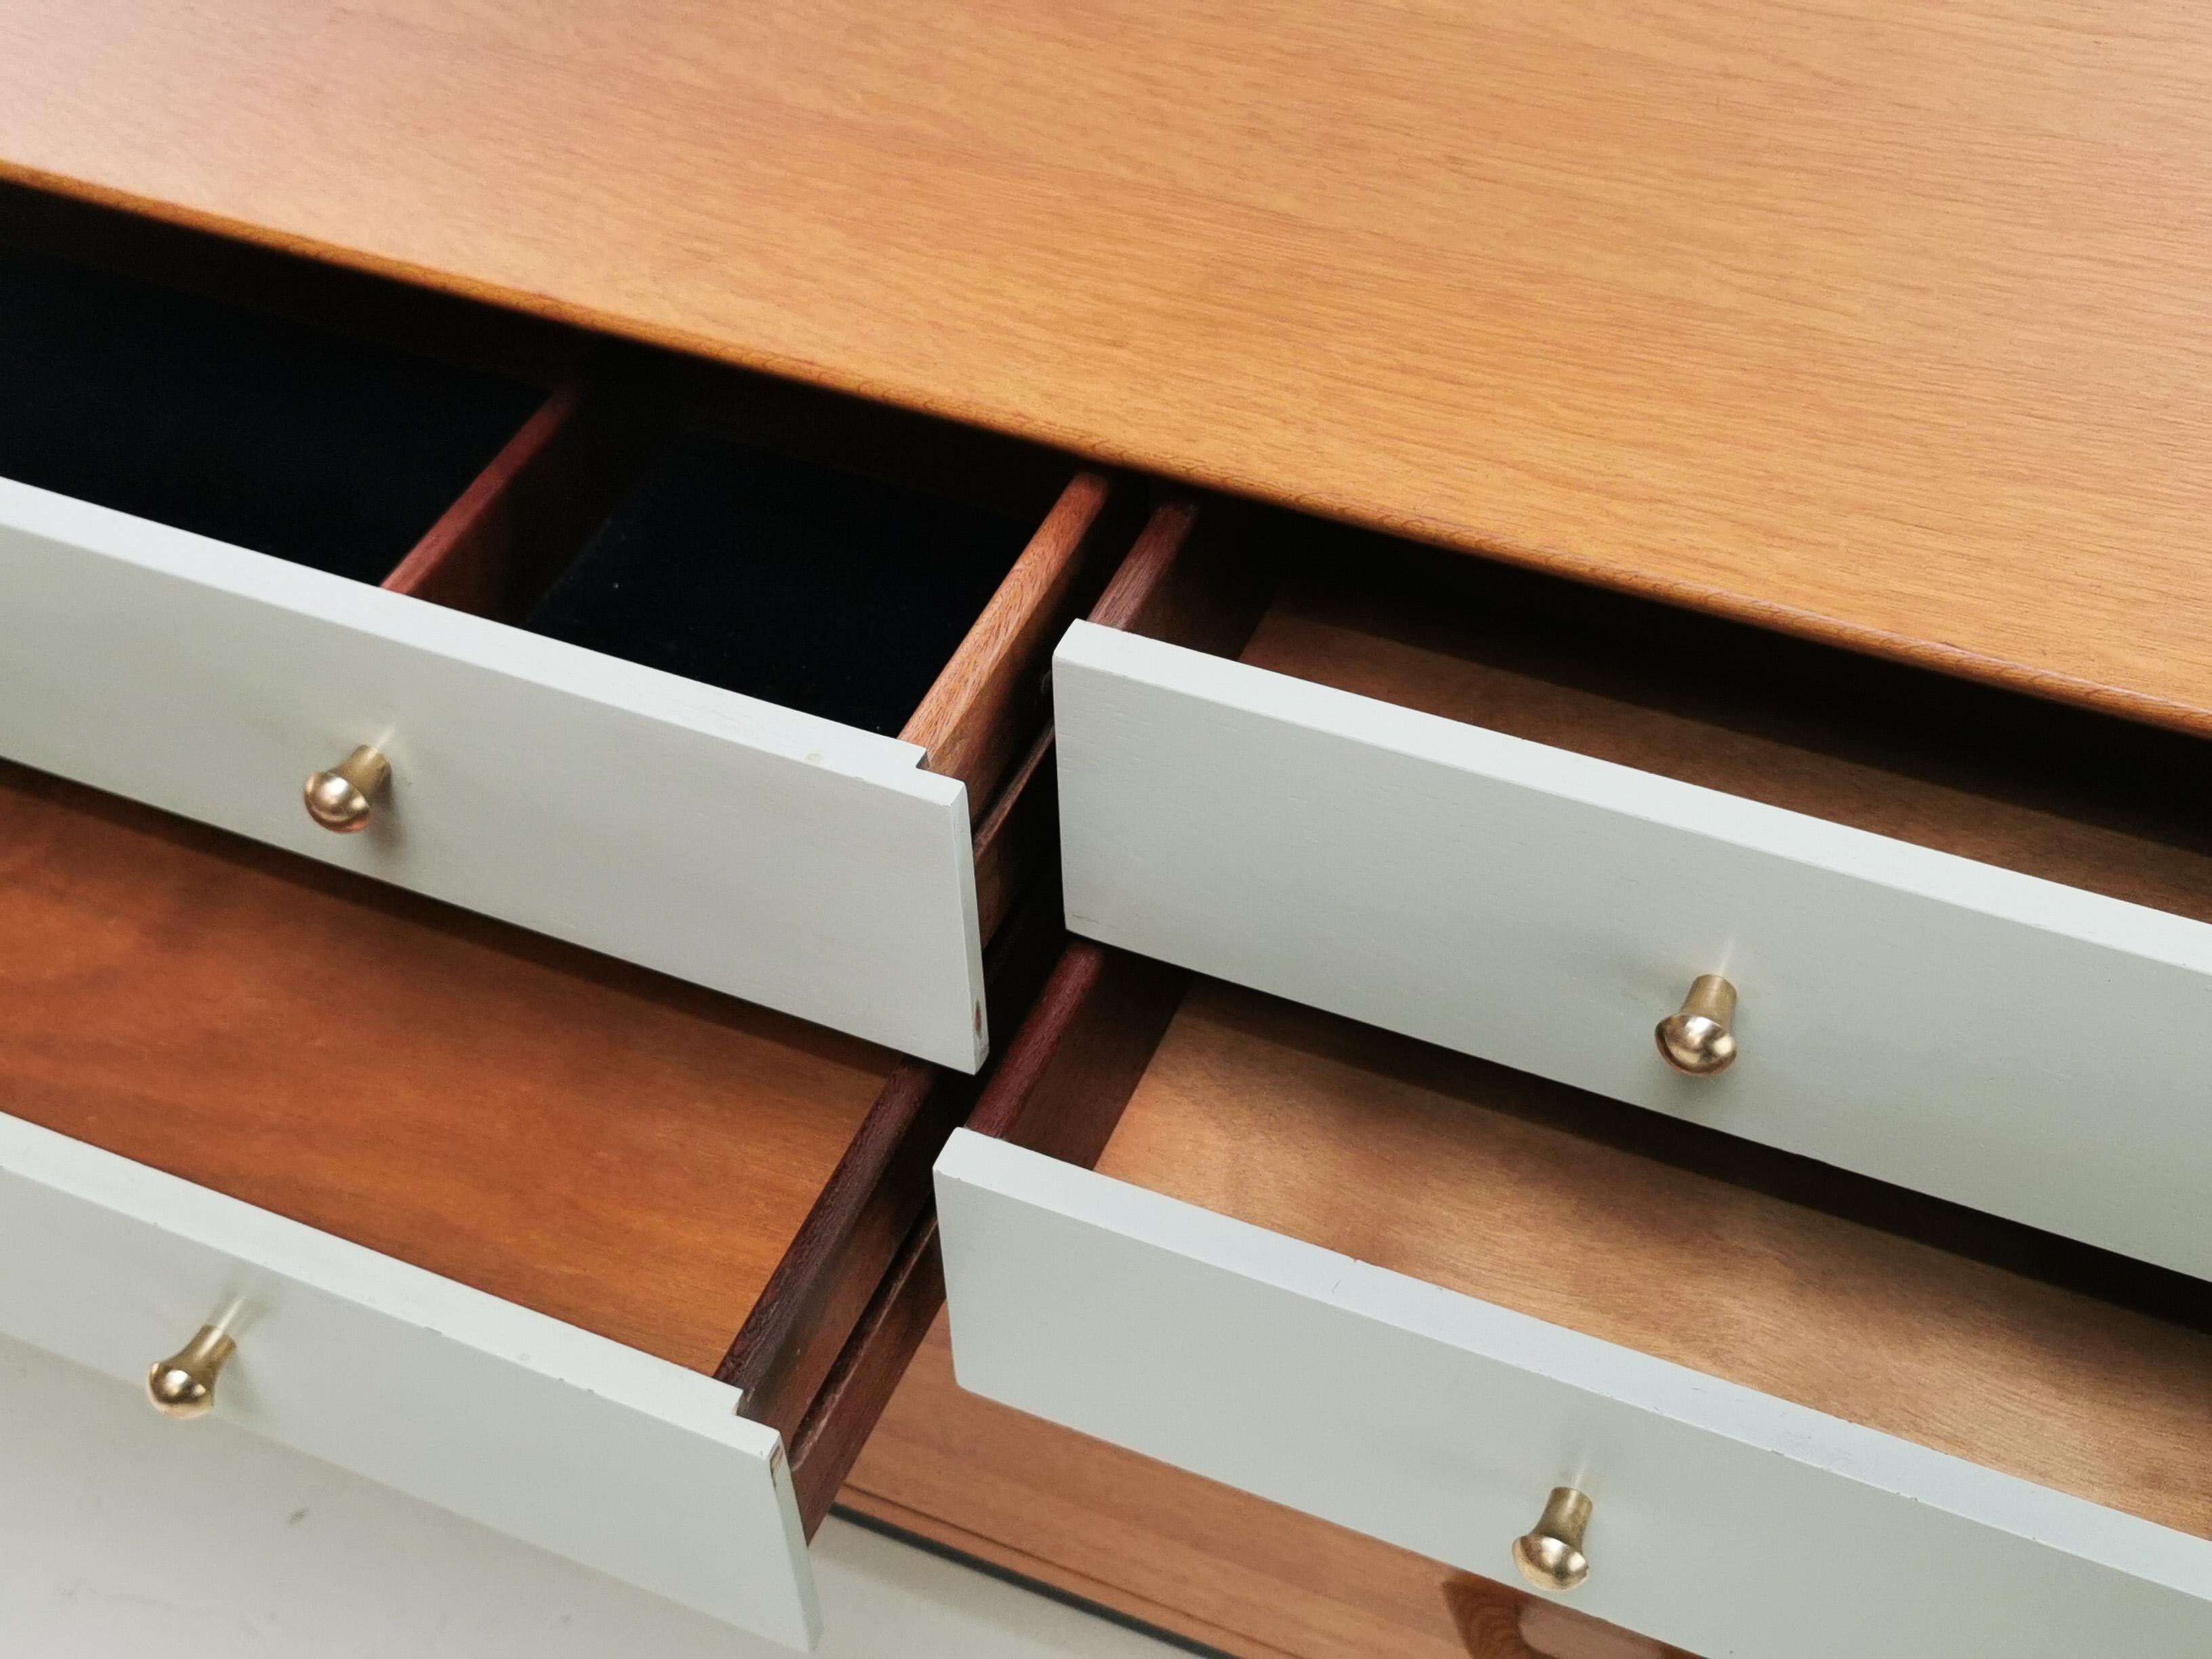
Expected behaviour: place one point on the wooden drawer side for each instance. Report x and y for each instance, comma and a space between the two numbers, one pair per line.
1732, 1522
1906, 1013
628, 1463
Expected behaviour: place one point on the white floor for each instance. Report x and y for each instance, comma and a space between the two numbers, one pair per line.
122, 1533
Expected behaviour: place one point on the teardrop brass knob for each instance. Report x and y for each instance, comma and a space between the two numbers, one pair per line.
1697, 1040
1551, 1557
338, 799
183, 1385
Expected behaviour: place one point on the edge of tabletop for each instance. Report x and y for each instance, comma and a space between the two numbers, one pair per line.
2192, 719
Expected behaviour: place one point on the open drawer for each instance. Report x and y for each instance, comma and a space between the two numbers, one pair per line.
704, 671
1416, 1294
1967, 936
569, 1247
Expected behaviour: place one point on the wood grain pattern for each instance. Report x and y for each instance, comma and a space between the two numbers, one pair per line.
1209, 1563
513, 344
826, 1343
595, 1142
1867, 321
528, 513
1205, 1562
1061, 1085
983, 709
1445, 1169
1094, 1019
2029, 805
1555, 1631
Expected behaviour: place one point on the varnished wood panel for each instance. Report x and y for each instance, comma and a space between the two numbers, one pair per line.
2067, 809
513, 530
1445, 1169
512, 344
1906, 1013
1883, 323
1203, 1560
984, 709
873, 1238
1208, 1563
592, 1141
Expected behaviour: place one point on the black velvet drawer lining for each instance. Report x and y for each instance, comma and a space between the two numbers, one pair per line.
813, 589
256, 430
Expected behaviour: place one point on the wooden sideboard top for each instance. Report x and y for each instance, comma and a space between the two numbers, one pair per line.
1888, 324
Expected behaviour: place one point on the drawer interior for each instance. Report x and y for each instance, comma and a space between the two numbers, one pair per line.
2055, 791
834, 593
886, 570
2079, 1370
261, 430
685, 1174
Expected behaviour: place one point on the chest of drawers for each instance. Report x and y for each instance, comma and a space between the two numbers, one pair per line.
523, 848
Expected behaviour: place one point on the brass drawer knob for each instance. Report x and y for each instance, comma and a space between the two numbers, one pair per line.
1697, 1040
1551, 1557
338, 799
183, 1385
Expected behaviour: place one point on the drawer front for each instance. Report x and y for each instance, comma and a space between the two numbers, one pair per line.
2025, 1048
609, 1456
782, 857
1725, 1521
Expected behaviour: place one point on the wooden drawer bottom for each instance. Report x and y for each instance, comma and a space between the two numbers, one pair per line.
1410, 1294
1200, 1560
546, 1240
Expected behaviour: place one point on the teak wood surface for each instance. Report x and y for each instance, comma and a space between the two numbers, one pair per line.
989, 702
2041, 798
1886, 324
1206, 1562
1473, 1177
601, 1144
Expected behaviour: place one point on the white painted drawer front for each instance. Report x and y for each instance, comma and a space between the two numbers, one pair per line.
772, 854
618, 1459
1727, 1522
2025, 1048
